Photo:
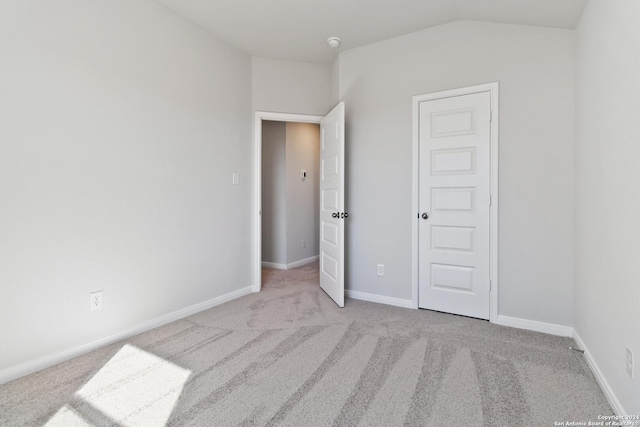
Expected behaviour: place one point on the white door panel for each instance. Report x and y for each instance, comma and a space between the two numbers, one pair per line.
454, 182
332, 202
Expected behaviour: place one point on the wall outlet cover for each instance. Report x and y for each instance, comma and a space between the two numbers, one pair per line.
95, 300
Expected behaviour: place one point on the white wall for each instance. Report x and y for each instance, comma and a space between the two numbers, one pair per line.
535, 68
291, 87
274, 200
303, 197
607, 287
335, 81
120, 127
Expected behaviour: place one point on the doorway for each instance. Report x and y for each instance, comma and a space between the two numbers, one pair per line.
456, 201
331, 201
260, 116
290, 194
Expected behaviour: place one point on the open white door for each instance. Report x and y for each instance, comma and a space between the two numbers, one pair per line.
332, 213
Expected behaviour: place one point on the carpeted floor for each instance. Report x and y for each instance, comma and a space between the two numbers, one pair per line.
289, 356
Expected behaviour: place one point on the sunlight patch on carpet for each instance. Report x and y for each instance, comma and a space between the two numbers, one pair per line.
67, 417
134, 388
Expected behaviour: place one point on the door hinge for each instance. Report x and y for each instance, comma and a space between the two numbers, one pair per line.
490, 115
489, 284
490, 200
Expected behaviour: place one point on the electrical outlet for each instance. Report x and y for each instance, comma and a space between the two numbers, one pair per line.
380, 269
235, 178
630, 362
95, 300
304, 243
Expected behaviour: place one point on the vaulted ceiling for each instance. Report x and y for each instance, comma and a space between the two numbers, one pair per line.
298, 29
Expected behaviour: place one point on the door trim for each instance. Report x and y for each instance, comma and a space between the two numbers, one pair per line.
256, 226
492, 88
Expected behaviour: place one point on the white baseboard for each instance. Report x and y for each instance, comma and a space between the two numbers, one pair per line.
567, 331
303, 262
398, 302
604, 385
533, 325
295, 264
274, 265
35, 365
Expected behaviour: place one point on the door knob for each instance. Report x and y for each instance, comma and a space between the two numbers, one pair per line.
425, 215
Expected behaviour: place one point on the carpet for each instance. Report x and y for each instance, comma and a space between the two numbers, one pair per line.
288, 356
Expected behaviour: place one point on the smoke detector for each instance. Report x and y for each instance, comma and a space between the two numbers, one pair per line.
333, 41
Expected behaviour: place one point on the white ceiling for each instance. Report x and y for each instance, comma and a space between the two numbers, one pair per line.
298, 29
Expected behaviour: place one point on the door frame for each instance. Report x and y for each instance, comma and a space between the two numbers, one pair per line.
256, 228
493, 89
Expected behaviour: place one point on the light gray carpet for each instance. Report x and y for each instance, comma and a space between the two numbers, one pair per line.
288, 356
